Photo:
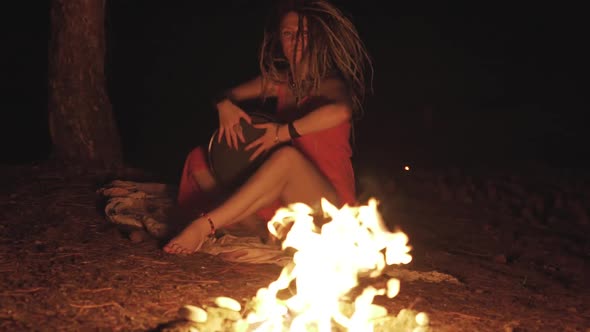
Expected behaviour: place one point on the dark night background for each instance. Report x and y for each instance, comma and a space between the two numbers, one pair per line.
503, 81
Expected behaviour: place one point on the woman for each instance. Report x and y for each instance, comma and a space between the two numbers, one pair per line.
314, 63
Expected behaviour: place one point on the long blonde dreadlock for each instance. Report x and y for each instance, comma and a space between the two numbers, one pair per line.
333, 47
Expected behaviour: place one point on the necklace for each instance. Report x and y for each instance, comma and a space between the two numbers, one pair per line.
292, 86
290, 81
304, 87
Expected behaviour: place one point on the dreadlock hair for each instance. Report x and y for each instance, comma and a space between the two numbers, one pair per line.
333, 48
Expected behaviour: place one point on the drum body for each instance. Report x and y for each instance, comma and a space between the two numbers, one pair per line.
231, 167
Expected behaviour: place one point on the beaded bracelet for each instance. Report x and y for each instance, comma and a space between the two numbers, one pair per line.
211, 224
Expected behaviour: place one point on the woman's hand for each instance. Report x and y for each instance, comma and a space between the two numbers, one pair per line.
229, 123
269, 139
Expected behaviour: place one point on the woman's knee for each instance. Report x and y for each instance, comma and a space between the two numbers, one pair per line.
287, 154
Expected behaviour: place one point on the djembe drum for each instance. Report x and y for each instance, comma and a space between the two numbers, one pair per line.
231, 167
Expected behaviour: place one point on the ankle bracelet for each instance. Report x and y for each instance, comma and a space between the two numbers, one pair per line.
211, 224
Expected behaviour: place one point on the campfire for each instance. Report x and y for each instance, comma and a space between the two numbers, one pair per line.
314, 291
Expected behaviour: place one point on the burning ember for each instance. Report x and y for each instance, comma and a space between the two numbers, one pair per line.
327, 263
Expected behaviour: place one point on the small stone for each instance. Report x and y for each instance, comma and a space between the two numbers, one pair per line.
422, 319
193, 313
228, 303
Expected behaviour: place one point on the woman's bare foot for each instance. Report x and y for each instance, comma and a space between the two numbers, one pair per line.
190, 239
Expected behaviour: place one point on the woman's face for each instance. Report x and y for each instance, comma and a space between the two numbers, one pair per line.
288, 33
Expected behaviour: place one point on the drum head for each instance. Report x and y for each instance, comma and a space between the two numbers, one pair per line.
232, 167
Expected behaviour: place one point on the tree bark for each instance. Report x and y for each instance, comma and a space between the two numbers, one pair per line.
81, 122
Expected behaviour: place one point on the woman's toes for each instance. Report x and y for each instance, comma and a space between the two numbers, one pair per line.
172, 248
176, 249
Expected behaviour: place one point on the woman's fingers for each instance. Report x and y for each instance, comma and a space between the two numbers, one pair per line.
261, 148
234, 140
231, 134
246, 117
254, 144
262, 125
257, 153
240, 133
234, 134
228, 137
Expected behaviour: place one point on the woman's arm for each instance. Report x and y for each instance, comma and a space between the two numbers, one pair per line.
248, 90
336, 110
230, 113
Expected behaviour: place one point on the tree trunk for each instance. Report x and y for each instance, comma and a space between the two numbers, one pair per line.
81, 122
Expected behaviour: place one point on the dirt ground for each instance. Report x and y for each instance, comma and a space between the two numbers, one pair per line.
516, 242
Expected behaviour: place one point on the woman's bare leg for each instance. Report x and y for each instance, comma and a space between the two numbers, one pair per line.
188, 207
205, 180
287, 175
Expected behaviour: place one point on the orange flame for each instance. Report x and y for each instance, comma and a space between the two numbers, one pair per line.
326, 266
